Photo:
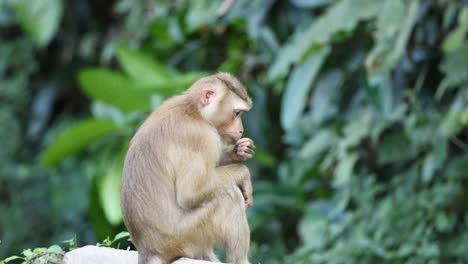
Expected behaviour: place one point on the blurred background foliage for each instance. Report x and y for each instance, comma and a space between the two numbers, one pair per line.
360, 118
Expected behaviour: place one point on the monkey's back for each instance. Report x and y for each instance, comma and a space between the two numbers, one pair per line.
161, 148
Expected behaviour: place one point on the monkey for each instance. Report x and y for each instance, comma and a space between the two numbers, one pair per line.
182, 191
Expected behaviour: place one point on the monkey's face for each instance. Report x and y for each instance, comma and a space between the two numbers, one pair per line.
233, 130
231, 110
224, 110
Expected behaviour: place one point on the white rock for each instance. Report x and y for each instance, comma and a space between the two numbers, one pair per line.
103, 255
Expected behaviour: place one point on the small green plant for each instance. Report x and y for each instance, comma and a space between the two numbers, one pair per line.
112, 242
55, 254
51, 255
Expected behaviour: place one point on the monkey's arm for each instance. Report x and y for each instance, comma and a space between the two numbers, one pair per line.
246, 189
200, 184
242, 151
226, 156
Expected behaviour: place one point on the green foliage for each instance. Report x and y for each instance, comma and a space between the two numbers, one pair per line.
56, 253
456, 38
109, 191
395, 24
39, 19
114, 89
76, 138
295, 96
370, 142
151, 76
115, 242
144, 70
201, 13
341, 17
360, 118
52, 254
41, 206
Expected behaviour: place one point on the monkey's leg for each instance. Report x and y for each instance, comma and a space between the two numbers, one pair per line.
148, 258
221, 221
236, 229
210, 255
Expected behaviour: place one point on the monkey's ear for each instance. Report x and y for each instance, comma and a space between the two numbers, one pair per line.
207, 94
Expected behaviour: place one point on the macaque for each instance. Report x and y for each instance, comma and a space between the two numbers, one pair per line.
182, 191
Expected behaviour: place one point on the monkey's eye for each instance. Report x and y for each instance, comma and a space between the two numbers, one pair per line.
237, 112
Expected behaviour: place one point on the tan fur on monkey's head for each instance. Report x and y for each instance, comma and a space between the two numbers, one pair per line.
224, 79
234, 85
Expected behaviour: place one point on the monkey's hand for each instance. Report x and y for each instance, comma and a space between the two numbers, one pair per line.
246, 189
243, 150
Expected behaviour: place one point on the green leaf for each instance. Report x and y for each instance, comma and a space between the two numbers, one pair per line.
177, 85
341, 17
298, 86
443, 222
39, 18
109, 192
75, 139
390, 18
287, 55
434, 160
310, 3
201, 13
395, 147
454, 66
390, 45
120, 236
313, 229
55, 249
102, 227
166, 33
344, 170
454, 122
142, 69
262, 157
12, 258
115, 89
456, 168
27, 252
454, 40
355, 132
457, 37
325, 98
316, 145
102, 110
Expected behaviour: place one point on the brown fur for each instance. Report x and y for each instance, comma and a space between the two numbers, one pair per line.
176, 200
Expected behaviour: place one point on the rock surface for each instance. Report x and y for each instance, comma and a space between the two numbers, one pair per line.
103, 255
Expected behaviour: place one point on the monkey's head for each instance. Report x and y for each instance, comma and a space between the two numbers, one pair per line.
222, 100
